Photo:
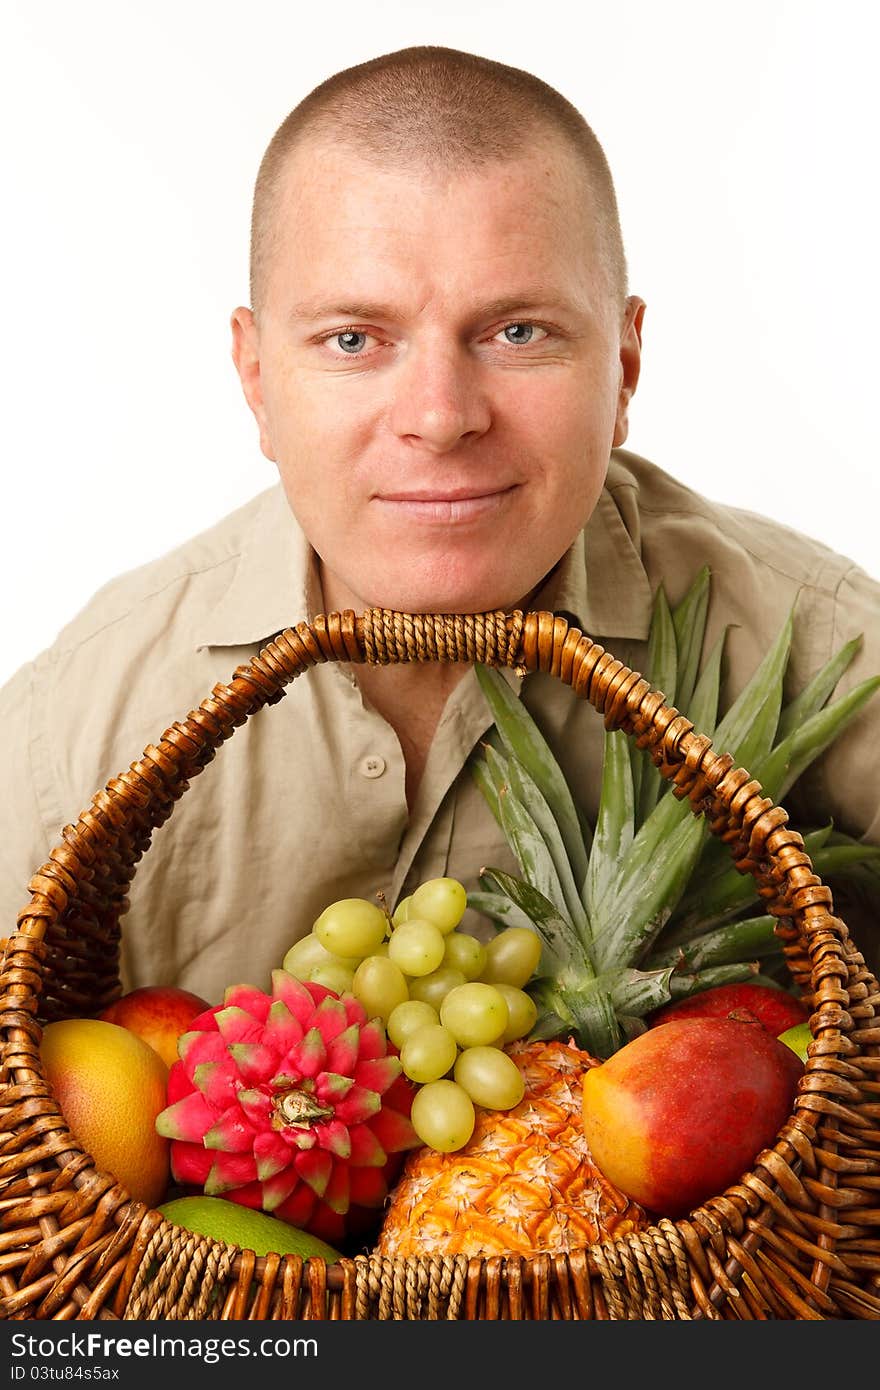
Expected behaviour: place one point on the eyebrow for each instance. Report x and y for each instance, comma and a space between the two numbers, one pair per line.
311, 309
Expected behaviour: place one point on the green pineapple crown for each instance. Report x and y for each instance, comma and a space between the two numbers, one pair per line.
646, 907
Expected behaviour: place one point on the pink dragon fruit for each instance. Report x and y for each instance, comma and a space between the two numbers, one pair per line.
291, 1103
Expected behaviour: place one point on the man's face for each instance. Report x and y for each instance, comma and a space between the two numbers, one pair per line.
439, 371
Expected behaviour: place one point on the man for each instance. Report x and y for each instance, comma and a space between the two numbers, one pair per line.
440, 357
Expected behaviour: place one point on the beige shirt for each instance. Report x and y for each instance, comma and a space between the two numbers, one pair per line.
306, 802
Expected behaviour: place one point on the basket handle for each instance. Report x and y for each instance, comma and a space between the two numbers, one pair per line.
79, 894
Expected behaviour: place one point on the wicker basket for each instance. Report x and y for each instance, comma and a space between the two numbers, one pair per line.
797, 1238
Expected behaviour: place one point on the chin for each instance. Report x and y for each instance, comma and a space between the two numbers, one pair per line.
425, 598
462, 584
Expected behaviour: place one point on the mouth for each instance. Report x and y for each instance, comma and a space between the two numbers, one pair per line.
446, 505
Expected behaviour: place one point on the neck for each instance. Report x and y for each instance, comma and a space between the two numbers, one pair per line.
410, 697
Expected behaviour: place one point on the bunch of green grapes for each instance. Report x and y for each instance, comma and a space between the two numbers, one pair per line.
450, 1004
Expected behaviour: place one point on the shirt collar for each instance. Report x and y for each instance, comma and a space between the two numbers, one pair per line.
274, 584
601, 581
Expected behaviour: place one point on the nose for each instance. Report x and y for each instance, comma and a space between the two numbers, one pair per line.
439, 400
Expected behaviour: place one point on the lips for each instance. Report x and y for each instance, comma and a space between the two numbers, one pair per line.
447, 505
458, 494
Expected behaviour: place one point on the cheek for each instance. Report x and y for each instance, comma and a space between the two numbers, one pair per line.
564, 426
318, 433
564, 404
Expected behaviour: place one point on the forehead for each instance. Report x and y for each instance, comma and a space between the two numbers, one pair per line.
338, 212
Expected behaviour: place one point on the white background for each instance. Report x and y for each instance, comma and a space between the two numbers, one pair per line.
743, 141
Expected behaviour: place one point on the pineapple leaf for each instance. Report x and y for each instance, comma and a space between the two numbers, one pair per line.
524, 836
631, 1026
702, 710
719, 890
845, 856
748, 727
662, 665
561, 944
727, 945
637, 992
498, 908
716, 898
480, 772
593, 1015
643, 897
817, 692
614, 830
525, 741
689, 621
682, 986
529, 795
780, 769
667, 913
548, 1025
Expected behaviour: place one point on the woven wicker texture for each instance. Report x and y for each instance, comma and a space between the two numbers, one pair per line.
797, 1238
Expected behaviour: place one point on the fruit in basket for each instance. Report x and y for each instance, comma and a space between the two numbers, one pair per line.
443, 1116
774, 1008
427, 991
641, 910
291, 1103
110, 1086
475, 1014
158, 1014
798, 1039
679, 1114
380, 985
524, 1181
351, 927
251, 1230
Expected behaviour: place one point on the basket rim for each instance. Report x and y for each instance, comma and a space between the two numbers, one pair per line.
822, 958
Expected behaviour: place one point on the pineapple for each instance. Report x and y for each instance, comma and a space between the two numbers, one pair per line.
523, 1182
643, 909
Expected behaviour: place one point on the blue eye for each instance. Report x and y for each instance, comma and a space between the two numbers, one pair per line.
351, 341
519, 332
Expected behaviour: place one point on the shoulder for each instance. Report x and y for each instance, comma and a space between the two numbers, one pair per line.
126, 665
669, 516
183, 582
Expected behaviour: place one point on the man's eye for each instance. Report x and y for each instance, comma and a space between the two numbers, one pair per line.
350, 341
520, 334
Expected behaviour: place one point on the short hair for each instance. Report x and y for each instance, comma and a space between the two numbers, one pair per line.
442, 108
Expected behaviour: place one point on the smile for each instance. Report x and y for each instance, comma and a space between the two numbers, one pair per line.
452, 507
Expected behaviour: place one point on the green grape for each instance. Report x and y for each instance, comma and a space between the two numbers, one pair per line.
440, 900
334, 975
380, 986
401, 911
490, 1077
407, 1017
465, 953
428, 1053
308, 953
475, 1014
351, 927
433, 988
443, 1116
522, 1012
512, 957
416, 946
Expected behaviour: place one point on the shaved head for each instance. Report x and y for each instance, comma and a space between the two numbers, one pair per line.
437, 110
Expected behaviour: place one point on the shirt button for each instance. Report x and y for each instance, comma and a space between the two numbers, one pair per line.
373, 766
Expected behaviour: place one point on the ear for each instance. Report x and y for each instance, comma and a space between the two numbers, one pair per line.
630, 364
246, 356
